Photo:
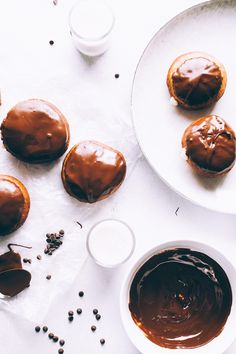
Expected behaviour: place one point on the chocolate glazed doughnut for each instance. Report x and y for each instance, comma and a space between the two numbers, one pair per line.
14, 204
92, 171
35, 131
210, 146
180, 298
196, 80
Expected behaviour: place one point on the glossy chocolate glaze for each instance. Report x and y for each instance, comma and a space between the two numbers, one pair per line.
197, 81
180, 298
35, 131
92, 171
12, 203
210, 144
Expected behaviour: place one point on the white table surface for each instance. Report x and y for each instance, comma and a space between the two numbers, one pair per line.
144, 201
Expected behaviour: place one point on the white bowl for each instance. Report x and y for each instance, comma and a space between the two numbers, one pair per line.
219, 344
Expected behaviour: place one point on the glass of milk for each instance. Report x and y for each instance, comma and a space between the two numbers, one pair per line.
91, 23
110, 242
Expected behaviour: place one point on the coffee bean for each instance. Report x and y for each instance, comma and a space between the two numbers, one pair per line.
48, 235
117, 76
37, 329
45, 329
95, 311
60, 351
51, 335
39, 257
27, 260
61, 232
79, 311
62, 342
102, 341
71, 313
50, 253
93, 328
46, 251
55, 339
81, 294
70, 318
98, 317
48, 277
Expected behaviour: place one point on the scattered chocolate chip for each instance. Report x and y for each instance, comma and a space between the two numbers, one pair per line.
39, 257
48, 277
117, 76
45, 329
98, 317
93, 328
81, 294
71, 313
79, 311
70, 318
55, 339
62, 342
37, 329
27, 260
77, 222
95, 311
102, 341
51, 336
60, 351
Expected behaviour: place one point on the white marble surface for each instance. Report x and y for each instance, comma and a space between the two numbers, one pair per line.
144, 201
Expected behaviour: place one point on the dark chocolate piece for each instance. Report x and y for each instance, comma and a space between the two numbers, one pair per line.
180, 298
13, 281
92, 171
197, 81
35, 131
210, 144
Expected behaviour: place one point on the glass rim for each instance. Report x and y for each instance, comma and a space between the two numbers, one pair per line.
105, 265
91, 39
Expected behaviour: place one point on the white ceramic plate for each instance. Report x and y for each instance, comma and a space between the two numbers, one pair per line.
208, 27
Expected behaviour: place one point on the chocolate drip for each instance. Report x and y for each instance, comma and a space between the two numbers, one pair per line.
35, 131
180, 298
92, 171
210, 144
197, 81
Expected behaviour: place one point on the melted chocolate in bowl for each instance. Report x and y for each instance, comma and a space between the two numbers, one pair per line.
180, 298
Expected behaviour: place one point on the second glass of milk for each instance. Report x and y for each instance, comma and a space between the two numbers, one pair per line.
91, 23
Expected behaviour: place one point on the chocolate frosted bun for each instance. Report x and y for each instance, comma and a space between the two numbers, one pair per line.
92, 171
196, 80
14, 204
210, 146
35, 131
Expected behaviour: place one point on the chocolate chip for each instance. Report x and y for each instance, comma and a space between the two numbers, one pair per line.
81, 294
62, 342
39, 257
70, 318
98, 317
71, 313
55, 339
102, 341
51, 336
93, 328
117, 76
37, 329
48, 277
45, 329
95, 311
79, 311
60, 351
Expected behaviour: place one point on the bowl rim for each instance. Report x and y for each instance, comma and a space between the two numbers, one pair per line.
218, 344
